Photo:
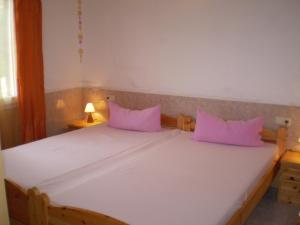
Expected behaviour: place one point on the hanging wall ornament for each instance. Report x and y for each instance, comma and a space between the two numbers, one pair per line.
80, 30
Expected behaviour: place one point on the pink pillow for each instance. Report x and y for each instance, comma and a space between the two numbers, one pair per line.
139, 120
243, 133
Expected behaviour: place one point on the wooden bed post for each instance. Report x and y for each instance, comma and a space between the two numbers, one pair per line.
32, 193
185, 123
281, 140
38, 207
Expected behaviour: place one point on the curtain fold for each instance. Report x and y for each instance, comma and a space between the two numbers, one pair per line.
30, 70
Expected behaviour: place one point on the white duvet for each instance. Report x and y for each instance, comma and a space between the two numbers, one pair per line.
41, 161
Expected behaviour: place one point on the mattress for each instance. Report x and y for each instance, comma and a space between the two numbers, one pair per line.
179, 181
41, 161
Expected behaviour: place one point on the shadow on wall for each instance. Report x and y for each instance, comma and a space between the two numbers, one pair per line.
61, 108
10, 127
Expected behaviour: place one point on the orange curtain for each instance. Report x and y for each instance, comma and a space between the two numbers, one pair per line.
30, 70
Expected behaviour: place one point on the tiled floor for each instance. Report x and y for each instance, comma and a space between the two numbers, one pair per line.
270, 212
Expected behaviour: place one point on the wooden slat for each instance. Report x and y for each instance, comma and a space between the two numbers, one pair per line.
32, 211
281, 140
43, 213
15, 222
168, 121
236, 219
17, 201
269, 135
76, 216
184, 123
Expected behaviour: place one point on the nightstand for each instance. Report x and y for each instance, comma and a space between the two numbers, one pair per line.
289, 181
77, 124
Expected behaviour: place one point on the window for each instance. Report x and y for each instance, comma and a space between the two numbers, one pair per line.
7, 51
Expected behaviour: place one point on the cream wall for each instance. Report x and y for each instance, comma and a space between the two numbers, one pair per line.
61, 60
232, 50
63, 74
242, 50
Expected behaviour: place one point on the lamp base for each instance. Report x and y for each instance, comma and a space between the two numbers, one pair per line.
90, 118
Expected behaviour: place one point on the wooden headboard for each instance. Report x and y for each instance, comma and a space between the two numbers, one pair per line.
188, 123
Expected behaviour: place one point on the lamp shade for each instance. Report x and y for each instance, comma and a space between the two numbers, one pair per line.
89, 108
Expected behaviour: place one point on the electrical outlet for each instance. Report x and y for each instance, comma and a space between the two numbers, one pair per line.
110, 98
283, 121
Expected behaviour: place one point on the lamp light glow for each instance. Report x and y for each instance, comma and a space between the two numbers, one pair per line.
89, 108
297, 146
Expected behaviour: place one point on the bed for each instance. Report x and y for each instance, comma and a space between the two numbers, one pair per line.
39, 162
131, 176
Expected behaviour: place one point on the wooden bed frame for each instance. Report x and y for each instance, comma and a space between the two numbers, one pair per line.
32, 208
42, 213
240, 217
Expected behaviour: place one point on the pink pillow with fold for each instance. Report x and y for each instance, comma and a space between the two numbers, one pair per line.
243, 133
147, 120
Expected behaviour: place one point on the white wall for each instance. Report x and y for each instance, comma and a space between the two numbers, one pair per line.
246, 50
61, 60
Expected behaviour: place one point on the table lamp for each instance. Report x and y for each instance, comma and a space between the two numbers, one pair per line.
89, 109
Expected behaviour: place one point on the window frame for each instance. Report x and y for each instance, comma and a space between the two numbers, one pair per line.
10, 97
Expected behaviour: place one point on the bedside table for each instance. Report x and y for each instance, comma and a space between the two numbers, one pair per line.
77, 124
289, 181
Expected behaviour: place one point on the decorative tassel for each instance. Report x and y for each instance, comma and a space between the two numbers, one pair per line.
80, 30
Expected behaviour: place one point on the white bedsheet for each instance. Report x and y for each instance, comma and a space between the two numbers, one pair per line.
32, 164
178, 182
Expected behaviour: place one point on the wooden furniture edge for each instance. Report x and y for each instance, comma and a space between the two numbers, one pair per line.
168, 121
17, 201
241, 215
42, 212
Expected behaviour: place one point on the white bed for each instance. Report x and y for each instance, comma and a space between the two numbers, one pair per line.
41, 161
178, 181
